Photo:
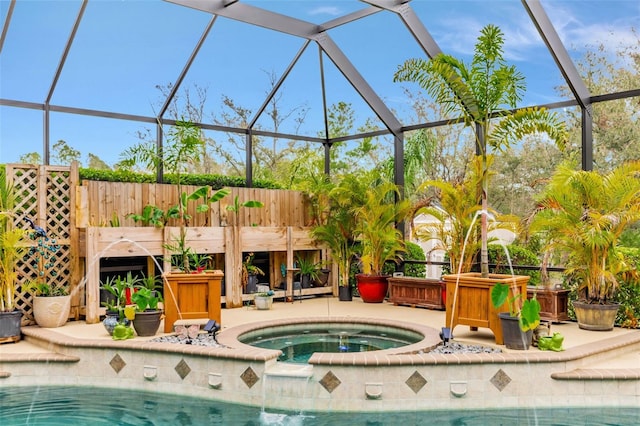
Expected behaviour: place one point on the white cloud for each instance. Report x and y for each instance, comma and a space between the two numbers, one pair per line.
326, 10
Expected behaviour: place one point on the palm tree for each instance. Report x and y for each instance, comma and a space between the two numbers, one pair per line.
584, 213
336, 223
484, 95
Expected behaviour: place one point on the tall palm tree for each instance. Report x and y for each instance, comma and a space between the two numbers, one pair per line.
483, 94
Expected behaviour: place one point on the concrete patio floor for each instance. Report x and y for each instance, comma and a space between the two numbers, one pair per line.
330, 306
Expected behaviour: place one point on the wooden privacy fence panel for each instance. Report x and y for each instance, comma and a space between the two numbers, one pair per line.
99, 202
46, 195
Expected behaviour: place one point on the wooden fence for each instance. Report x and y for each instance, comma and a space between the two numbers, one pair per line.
100, 202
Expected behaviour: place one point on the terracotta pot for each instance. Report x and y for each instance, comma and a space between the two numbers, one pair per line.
372, 288
594, 316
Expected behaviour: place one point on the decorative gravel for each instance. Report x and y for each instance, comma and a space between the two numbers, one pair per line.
203, 339
460, 348
206, 339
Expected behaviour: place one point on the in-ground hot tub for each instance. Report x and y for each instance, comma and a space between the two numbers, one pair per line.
299, 339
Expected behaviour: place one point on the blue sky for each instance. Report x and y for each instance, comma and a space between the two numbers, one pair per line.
123, 49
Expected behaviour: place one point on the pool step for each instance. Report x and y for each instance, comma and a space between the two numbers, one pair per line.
599, 374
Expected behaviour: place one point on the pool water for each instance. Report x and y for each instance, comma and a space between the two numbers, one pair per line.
72, 406
300, 342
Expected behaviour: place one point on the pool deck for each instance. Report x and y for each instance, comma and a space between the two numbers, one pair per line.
625, 364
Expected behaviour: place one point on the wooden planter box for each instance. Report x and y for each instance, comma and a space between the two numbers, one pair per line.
191, 296
473, 305
554, 304
422, 292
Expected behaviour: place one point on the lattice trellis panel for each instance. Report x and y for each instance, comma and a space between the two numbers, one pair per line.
46, 195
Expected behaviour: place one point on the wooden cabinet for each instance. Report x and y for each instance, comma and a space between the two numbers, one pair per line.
426, 293
191, 296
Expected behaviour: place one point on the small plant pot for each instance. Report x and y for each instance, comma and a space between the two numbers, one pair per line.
10, 326
514, 337
263, 302
344, 293
112, 319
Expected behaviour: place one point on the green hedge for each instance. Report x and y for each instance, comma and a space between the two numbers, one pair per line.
519, 255
214, 181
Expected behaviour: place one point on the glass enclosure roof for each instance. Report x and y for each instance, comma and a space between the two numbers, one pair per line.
98, 84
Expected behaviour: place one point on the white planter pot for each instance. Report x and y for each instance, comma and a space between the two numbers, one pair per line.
263, 302
51, 311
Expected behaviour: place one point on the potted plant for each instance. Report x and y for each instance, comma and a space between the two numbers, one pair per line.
250, 274
335, 227
522, 318
146, 299
379, 239
308, 270
264, 299
582, 215
117, 288
483, 94
12, 249
51, 303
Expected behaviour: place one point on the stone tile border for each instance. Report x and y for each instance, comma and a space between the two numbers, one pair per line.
407, 355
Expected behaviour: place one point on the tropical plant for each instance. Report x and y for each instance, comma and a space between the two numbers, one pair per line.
117, 287
336, 223
146, 299
248, 268
582, 214
527, 310
453, 207
12, 246
376, 230
483, 94
307, 268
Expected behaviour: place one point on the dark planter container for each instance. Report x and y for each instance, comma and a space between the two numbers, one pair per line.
372, 288
10, 326
595, 317
514, 337
252, 284
323, 278
344, 293
147, 323
305, 281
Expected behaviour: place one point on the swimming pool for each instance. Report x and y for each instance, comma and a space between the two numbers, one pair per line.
71, 406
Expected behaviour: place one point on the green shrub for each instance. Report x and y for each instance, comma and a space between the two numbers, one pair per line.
214, 181
519, 255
